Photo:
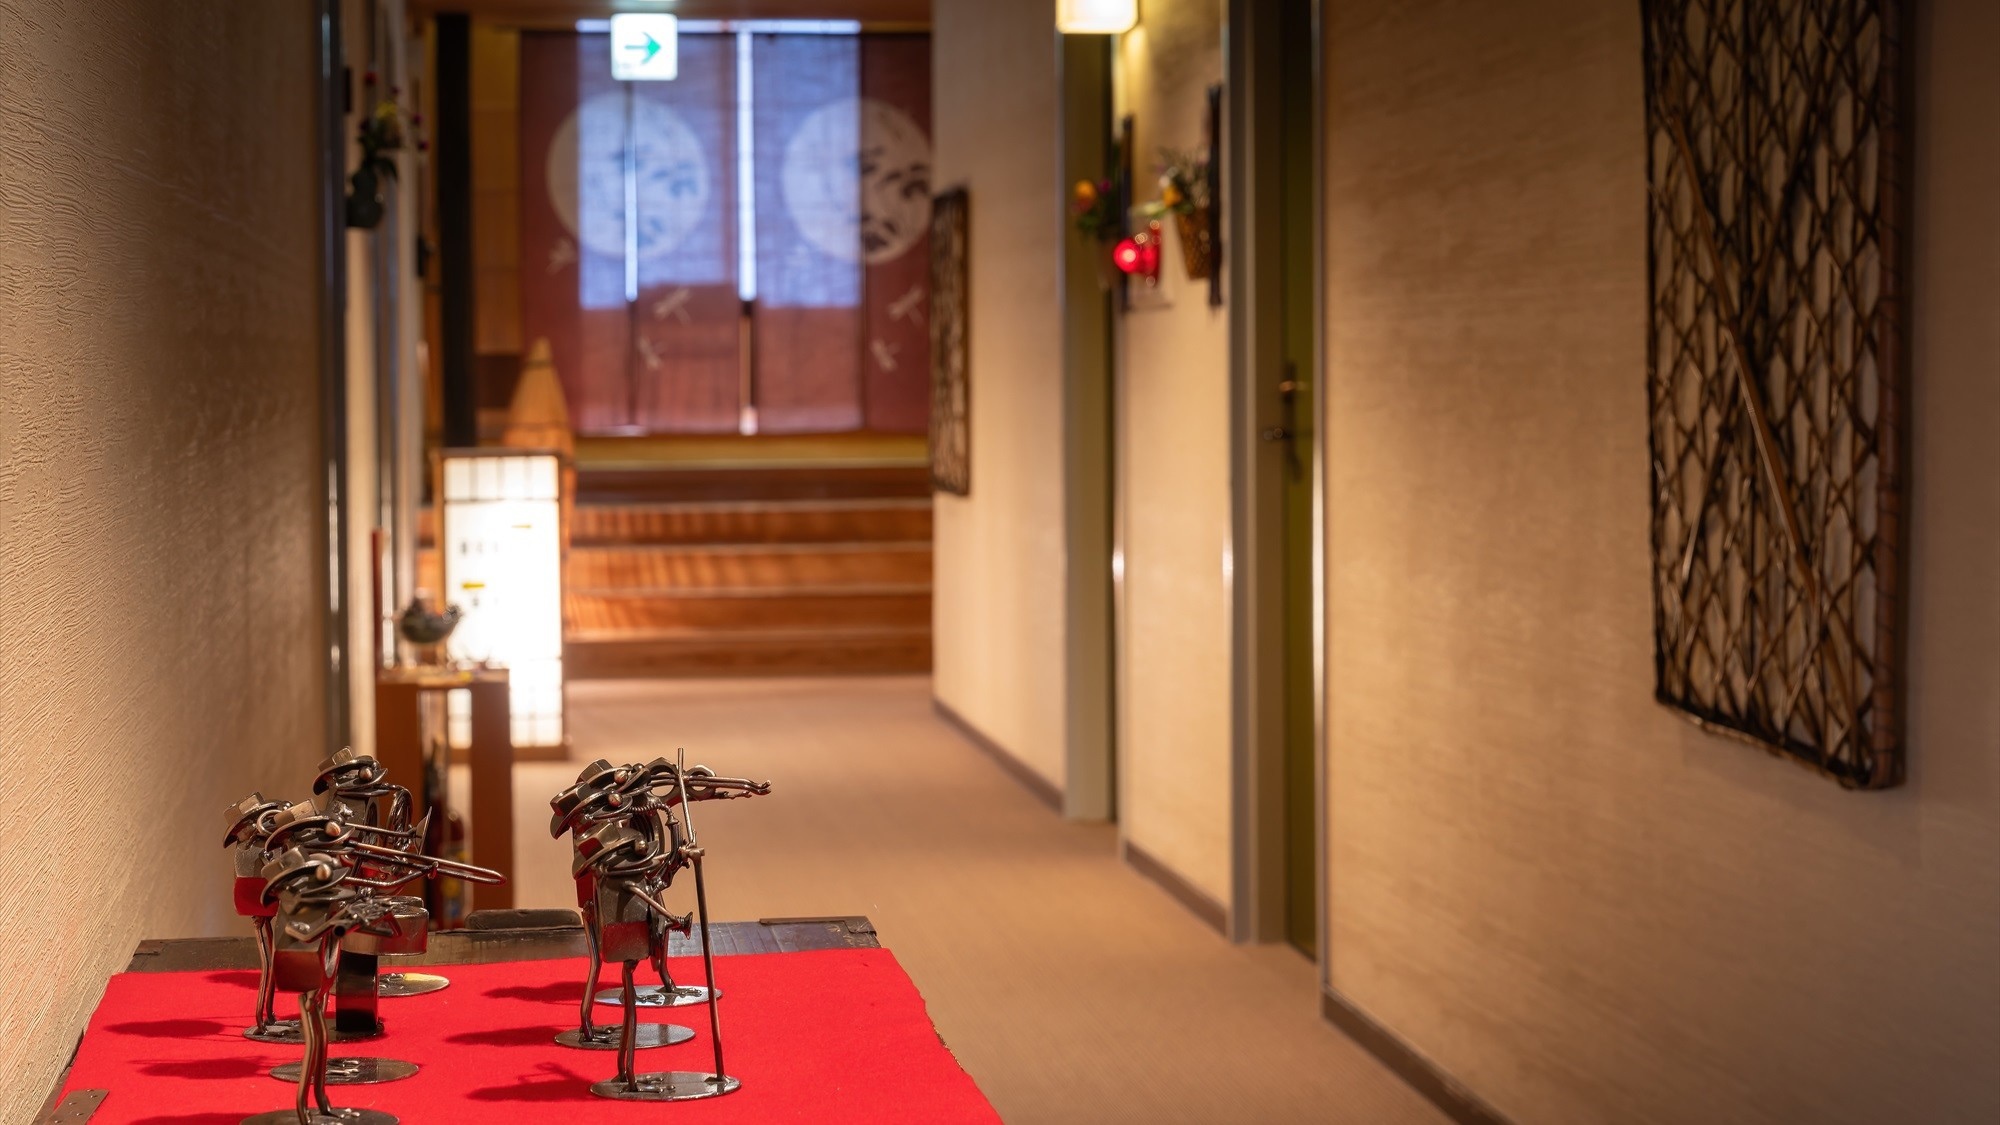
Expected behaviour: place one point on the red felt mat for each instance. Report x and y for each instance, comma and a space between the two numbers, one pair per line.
833, 1036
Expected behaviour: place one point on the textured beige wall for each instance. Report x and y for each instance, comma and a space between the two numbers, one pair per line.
1173, 477
998, 616
1571, 900
158, 435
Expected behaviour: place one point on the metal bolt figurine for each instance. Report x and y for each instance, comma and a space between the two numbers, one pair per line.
359, 785
255, 824
618, 873
599, 799
316, 907
703, 785
322, 898
308, 829
250, 826
629, 843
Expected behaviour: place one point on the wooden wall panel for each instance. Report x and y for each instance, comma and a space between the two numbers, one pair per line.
496, 189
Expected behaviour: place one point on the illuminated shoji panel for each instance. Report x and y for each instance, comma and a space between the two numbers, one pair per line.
502, 541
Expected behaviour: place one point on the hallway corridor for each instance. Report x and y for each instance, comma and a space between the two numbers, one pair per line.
1072, 989
1514, 481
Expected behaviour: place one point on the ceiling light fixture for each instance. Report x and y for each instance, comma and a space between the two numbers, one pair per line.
1096, 17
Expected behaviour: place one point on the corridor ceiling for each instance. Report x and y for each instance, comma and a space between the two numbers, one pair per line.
532, 12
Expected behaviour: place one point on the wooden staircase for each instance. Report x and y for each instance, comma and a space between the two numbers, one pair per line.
749, 571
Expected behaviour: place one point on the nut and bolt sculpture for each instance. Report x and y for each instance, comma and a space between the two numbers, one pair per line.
324, 895
628, 846
602, 797
250, 824
359, 786
317, 906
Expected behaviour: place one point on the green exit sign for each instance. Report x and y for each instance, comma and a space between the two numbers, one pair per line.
645, 47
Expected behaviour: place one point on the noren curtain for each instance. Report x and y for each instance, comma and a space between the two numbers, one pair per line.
642, 322
646, 319
843, 232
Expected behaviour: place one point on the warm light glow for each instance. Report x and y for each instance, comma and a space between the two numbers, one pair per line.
1127, 255
1139, 254
1096, 17
503, 565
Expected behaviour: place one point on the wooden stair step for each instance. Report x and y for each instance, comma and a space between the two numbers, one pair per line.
739, 565
835, 481
683, 653
769, 521
610, 611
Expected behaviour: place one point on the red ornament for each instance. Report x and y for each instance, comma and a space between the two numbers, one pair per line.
1139, 254
1127, 255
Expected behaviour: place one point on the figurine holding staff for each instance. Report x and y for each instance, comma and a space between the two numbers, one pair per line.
621, 846
628, 847
664, 785
675, 1085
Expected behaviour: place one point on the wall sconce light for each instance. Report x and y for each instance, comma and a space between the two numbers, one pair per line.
1138, 254
1096, 17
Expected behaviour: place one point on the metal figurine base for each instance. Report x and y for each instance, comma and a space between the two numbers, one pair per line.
657, 996
648, 1035
277, 1031
353, 1071
340, 1116
287, 1032
668, 1086
397, 985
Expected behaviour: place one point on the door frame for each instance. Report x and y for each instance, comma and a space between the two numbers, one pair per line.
1253, 84
330, 250
1090, 525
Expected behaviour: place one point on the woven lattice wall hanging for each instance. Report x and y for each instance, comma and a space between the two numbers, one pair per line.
1776, 372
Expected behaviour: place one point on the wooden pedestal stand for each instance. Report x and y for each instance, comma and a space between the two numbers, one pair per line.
399, 746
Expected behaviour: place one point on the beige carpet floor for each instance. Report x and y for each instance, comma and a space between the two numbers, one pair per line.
1072, 989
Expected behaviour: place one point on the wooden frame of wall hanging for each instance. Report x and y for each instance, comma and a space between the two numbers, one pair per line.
1777, 372
951, 350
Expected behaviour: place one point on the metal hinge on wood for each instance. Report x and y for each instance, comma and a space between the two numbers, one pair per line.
80, 1106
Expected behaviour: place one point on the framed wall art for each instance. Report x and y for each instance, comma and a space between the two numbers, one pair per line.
951, 393
1777, 373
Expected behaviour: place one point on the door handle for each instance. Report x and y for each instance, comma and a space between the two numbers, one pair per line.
1288, 431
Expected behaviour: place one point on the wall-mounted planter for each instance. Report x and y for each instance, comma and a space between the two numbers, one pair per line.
1197, 244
